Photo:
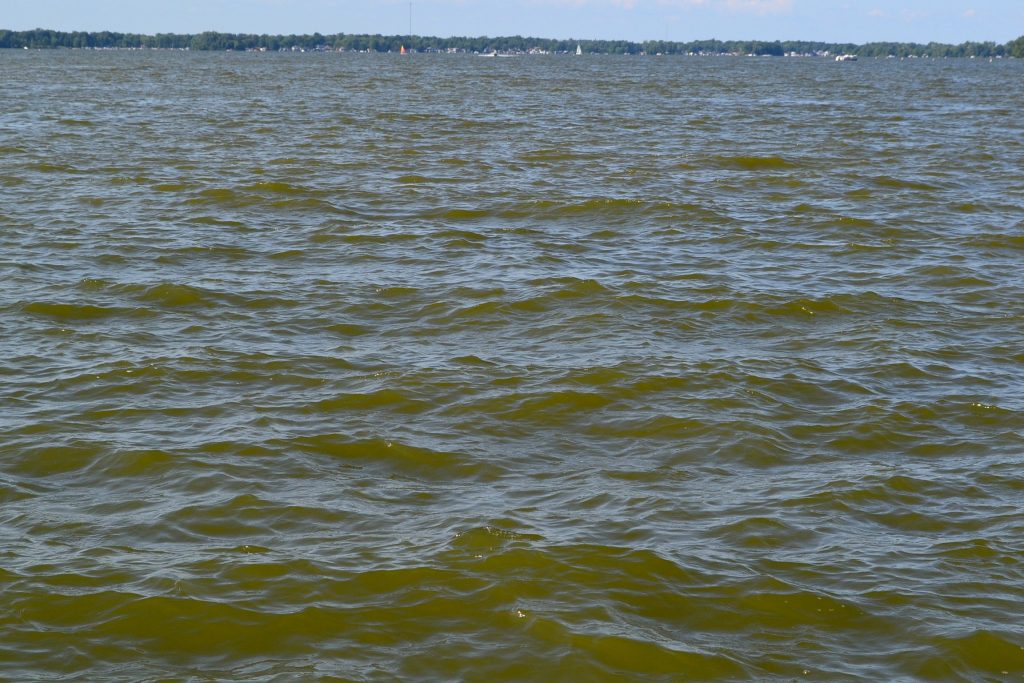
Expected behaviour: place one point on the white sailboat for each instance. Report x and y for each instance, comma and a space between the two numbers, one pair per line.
579, 50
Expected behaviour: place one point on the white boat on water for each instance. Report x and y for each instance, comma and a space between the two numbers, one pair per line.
846, 58
579, 49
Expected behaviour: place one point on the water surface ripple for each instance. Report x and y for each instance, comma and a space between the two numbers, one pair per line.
448, 368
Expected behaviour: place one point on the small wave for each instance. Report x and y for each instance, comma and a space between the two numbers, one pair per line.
549, 155
349, 329
996, 241
277, 187
411, 179
901, 183
44, 167
457, 214
94, 284
62, 311
310, 204
175, 295
477, 312
550, 407
998, 655
603, 205
500, 311
396, 292
755, 163
49, 461
461, 235
573, 288
853, 222
774, 602
416, 179
378, 239
249, 515
110, 379
697, 305
595, 377
490, 538
131, 180
523, 232
220, 195
808, 307
653, 659
143, 463
388, 399
259, 302
403, 459
762, 532
660, 427
211, 220
473, 360
78, 123
172, 187
287, 255
12, 493
226, 251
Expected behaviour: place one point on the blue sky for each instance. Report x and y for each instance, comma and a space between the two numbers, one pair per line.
830, 20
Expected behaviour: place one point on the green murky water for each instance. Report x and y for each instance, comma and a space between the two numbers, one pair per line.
354, 367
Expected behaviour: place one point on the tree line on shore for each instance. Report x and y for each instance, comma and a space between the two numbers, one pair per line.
209, 40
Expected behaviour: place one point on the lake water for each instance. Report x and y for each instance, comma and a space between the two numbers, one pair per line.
371, 368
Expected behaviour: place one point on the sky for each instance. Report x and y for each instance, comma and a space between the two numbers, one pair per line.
857, 21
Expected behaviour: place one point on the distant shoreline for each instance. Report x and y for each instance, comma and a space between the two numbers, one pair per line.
215, 41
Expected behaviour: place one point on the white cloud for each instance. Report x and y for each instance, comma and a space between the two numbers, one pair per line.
730, 6
760, 6
737, 6
625, 4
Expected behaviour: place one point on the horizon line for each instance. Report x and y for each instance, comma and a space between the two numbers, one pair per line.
517, 36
